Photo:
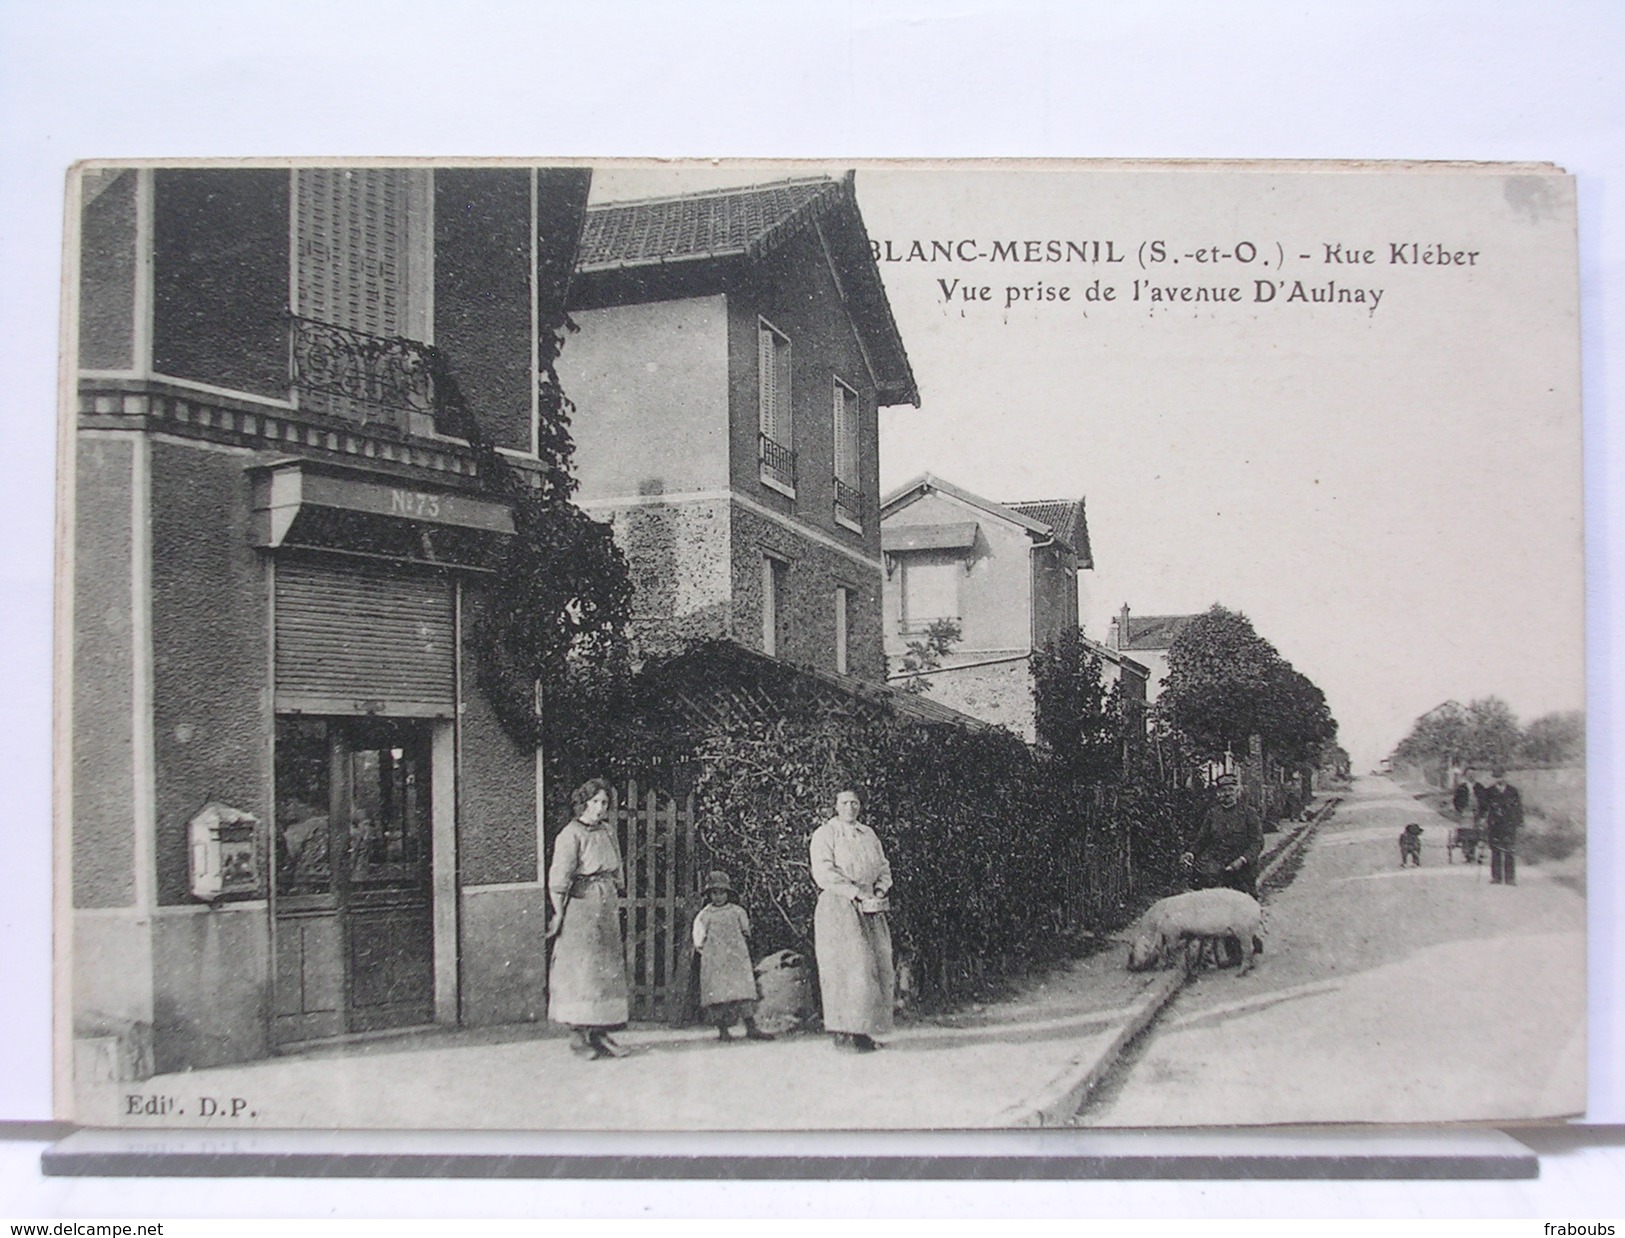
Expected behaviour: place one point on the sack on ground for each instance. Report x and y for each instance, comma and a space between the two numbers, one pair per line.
786, 990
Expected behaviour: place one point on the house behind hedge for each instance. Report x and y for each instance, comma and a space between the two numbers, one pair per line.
1007, 574
734, 349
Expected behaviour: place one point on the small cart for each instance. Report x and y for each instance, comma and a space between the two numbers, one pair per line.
1469, 840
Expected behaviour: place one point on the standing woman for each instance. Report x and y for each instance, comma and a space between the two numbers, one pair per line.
587, 981
850, 929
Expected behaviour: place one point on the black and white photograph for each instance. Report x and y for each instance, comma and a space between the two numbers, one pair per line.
764, 645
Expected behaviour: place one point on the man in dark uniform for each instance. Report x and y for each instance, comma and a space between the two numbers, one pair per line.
1503, 815
1226, 849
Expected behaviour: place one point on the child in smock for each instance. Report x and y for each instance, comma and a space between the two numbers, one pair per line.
727, 979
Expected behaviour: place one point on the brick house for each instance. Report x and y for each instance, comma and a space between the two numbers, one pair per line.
1006, 573
276, 556
734, 348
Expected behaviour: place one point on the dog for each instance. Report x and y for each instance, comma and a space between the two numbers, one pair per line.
1410, 845
1196, 921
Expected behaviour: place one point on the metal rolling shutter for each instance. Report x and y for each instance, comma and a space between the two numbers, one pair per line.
354, 640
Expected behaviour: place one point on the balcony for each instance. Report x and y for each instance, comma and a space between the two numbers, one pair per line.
361, 377
778, 465
849, 506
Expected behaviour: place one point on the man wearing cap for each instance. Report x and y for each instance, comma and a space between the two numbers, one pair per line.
1226, 849
1503, 815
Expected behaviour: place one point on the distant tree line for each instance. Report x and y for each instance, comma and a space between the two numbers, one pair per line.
1486, 732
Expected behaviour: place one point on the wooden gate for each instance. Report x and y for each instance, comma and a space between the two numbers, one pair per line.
656, 833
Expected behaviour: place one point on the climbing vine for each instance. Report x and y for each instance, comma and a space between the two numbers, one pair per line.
549, 628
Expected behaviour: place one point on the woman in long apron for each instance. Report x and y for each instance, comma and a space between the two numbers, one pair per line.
850, 930
587, 980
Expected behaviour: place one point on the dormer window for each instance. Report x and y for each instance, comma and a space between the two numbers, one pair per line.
777, 437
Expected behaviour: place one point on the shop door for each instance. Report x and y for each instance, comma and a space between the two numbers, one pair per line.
354, 933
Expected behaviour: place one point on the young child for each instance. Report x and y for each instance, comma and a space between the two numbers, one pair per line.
727, 979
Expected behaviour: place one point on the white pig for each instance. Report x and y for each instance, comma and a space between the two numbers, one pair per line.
1200, 915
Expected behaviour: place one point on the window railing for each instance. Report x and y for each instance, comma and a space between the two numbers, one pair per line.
778, 462
364, 377
848, 502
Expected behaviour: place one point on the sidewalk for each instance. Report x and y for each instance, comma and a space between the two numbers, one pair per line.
1018, 1062
975, 1068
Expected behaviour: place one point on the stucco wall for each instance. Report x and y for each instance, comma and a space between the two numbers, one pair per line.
1156, 663
103, 769
482, 294
496, 784
650, 386
211, 986
994, 593
815, 571
1001, 693
1055, 592
220, 277
107, 277
209, 645
504, 955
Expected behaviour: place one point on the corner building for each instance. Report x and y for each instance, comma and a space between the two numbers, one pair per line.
277, 561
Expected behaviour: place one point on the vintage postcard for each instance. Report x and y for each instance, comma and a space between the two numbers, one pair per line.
776, 646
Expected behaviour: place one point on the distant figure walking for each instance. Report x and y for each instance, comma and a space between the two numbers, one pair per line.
1503, 817
727, 979
850, 928
1462, 798
586, 982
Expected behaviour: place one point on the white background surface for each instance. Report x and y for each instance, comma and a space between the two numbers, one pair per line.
1417, 80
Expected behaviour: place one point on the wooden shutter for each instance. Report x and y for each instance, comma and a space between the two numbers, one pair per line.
846, 434
767, 371
363, 641
352, 244
773, 362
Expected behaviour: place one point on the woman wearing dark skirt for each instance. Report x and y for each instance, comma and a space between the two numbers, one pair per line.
587, 979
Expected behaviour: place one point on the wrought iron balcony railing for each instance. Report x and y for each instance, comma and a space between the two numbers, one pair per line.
778, 461
366, 377
848, 502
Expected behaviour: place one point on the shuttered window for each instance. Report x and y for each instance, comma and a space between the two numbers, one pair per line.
364, 249
362, 641
846, 435
773, 363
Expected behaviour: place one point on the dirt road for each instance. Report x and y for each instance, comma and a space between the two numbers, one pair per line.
1392, 995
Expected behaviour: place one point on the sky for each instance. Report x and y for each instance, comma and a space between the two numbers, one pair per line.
1389, 486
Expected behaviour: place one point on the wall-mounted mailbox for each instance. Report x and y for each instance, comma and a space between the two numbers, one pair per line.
225, 853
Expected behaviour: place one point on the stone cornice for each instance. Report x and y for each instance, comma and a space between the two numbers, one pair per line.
116, 403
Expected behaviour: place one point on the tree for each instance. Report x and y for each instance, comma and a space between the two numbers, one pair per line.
1226, 684
1555, 739
1483, 732
1493, 734
1077, 716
